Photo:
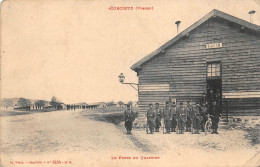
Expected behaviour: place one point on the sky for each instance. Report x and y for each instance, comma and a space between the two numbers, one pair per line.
75, 49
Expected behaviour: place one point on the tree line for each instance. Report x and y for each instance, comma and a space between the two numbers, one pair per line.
23, 102
55, 102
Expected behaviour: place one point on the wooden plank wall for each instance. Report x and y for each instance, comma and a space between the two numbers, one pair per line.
183, 65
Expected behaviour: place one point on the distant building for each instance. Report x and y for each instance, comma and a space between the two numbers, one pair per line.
49, 107
81, 105
97, 105
111, 104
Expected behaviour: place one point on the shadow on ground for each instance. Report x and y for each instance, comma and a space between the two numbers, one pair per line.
253, 135
114, 118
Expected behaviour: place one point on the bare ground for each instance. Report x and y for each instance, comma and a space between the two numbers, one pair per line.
92, 138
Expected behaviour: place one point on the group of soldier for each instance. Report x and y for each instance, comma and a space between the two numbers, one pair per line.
189, 118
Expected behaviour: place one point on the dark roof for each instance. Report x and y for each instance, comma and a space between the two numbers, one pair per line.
211, 14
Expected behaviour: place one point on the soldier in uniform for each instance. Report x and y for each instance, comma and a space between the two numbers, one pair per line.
129, 119
174, 117
215, 112
218, 97
204, 117
167, 116
159, 115
181, 118
188, 110
196, 118
151, 116
210, 99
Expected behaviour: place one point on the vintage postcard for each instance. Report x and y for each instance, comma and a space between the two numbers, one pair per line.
124, 83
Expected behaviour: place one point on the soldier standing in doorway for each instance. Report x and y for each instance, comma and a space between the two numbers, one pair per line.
218, 96
181, 118
167, 116
215, 114
218, 99
151, 116
174, 117
188, 110
129, 119
196, 118
210, 98
159, 115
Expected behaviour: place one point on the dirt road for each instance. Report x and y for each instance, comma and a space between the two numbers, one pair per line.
81, 138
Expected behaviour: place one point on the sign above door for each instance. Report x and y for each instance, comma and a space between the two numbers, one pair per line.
214, 45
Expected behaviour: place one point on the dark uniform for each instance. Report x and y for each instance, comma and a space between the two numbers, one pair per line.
167, 115
151, 116
210, 98
181, 118
204, 117
215, 112
159, 114
129, 119
196, 118
174, 117
218, 98
188, 110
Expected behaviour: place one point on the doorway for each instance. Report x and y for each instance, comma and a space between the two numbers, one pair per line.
214, 91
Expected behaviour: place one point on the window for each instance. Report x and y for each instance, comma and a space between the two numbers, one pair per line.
213, 69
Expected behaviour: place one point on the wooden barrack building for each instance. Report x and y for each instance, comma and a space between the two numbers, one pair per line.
218, 52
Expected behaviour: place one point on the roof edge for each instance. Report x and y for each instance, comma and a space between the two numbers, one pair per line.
214, 12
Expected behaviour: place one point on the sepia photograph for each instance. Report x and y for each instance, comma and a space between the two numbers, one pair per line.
130, 83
